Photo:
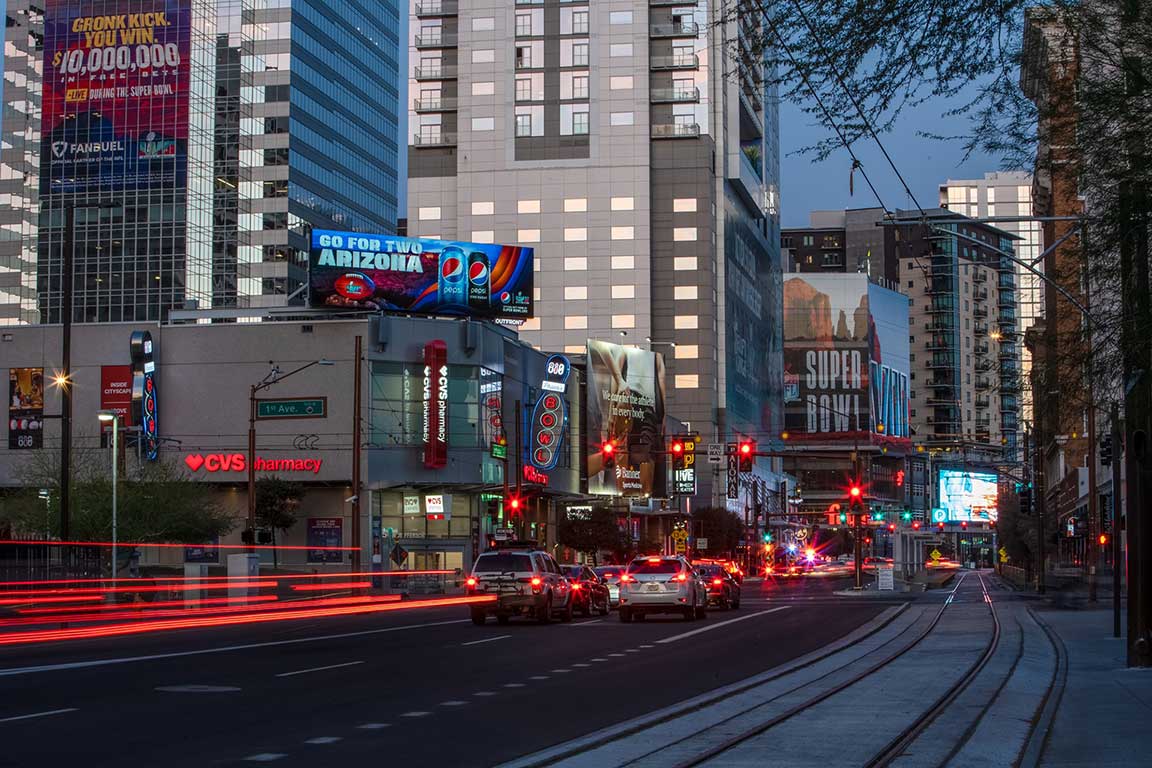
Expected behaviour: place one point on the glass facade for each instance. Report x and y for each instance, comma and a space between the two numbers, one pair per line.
213, 209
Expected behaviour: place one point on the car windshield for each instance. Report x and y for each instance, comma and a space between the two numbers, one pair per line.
659, 566
573, 571
503, 563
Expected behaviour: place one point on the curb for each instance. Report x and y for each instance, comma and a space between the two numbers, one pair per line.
1042, 723
573, 747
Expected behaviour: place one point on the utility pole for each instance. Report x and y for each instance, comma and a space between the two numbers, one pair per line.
356, 490
521, 534
1117, 463
857, 548
66, 379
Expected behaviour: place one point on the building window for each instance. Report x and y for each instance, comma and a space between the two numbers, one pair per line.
574, 263
620, 17
523, 89
683, 234
618, 50
622, 118
622, 83
623, 262
623, 203
684, 263
575, 234
576, 322
686, 322
687, 351
483, 236
483, 24
684, 204
623, 233
483, 123
687, 381
575, 292
527, 206
623, 291
579, 123
579, 22
523, 24
523, 125
528, 235
580, 54
523, 57
685, 292
575, 204
480, 56
808, 241
486, 208
623, 321
483, 89
429, 214
580, 86
574, 349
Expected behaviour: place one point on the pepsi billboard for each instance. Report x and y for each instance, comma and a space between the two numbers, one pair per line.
350, 270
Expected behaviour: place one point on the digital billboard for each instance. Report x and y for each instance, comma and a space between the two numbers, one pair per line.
846, 360
626, 406
115, 95
968, 496
434, 277
25, 408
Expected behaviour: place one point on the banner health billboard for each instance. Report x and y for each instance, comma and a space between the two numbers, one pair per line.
846, 360
968, 496
115, 103
434, 277
626, 405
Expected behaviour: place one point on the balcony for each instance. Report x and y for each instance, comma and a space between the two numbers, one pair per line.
1007, 298
982, 349
441, 72
434, 140
939, 326
435, 40
983, 401
675, 130
983, 383
942, 307
979, 276
943, 401
980, 311
675, 95
441, 104
1008, 352
940, 286
980, 294
681, 62
675, 29
938, 343
985, 365
980, 329
682, 3
942, 362
428, 9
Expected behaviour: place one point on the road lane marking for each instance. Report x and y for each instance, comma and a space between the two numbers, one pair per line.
598, 659
372, 726
711, 627
585, 623
453, 703
513, 685
539, 677
484, 693
647, 646
632, 650
324, 740
616, 655
318, 669
220, 649
416, 713
265, 757
581, 665
197, 688
561, 671
38, 714
487, 640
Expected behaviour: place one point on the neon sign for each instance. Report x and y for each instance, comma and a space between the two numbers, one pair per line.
434, 433
238, 462
550, 414
144, 407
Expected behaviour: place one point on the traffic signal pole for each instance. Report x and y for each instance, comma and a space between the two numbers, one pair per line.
857, 549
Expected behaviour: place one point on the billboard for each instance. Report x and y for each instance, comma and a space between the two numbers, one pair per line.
116, 391
432, 277
145, 410
968, 496
325, 534
846, 360
115, 100
626, 405
25, 408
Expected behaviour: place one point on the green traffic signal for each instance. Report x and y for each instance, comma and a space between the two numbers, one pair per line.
843, 517
906, 515
767, 538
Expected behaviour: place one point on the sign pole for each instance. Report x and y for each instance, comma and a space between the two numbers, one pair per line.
251, 548
356, 490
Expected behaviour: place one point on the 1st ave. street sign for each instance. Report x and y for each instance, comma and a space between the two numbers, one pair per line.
299, 408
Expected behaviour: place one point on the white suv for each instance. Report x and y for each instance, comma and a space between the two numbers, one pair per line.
665, 584
525, 582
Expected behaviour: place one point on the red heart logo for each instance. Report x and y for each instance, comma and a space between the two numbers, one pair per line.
194, 461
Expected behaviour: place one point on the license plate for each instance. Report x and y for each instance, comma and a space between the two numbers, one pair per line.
653, 587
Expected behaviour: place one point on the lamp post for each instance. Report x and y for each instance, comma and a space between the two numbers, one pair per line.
113, 418
274, 377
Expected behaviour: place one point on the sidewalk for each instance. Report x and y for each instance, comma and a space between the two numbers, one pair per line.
1105, 714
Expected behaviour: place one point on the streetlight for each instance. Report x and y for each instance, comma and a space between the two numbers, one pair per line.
274, 377
113, 418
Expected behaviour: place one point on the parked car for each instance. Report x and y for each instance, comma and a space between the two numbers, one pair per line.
525, 582
723, 589
662, 584
589, 592
610, 575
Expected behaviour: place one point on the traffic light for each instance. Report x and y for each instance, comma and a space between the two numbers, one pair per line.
855, 494
513, 505
1103, 539
767, 538
1106, 451
843, 518
940, 525
891, 527
677, 447
964, 524
747, 453
906, 516
608, 453
915, 525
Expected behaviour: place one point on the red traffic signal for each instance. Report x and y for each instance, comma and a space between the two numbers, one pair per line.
513, 504
940, 525
915, 525
746, 448
964, 524
746, 451
677, 447
891, 527
608, 447
1103, 539
855, 491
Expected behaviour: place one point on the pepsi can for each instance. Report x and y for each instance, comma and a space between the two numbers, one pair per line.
451, 283
479, 283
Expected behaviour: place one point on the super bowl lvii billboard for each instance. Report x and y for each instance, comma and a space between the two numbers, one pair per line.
350, 270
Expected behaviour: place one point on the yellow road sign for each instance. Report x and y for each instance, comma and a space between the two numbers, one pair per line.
680, 535
1003, 555
935, 554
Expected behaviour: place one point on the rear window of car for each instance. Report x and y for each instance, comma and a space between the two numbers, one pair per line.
609, 573
503, 563
711, 570
573, 571
661, 566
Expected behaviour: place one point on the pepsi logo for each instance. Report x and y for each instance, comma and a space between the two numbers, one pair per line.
452, 269
355, 285
478, 273
505, 297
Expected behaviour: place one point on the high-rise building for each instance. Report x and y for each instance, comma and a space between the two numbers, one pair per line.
635, 148
195, 143
1007, 195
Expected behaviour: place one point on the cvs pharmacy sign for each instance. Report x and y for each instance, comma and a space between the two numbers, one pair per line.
238, 462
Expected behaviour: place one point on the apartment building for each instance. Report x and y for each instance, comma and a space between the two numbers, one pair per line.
194, 158
634, 146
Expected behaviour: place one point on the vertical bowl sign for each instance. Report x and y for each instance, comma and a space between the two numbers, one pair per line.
115, 95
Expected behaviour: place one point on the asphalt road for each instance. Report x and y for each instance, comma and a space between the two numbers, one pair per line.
424, 687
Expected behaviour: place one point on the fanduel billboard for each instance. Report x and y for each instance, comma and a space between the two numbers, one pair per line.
432, 277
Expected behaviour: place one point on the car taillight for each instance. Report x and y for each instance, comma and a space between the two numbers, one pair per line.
625, 577
717, 582
471, 582
681, 577
576, 586
536, 581
654, 560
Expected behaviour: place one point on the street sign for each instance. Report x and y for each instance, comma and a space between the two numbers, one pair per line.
884, 578
716, 453
504, 534
935, 554
1003, 555
701, 543
680, 534
399, 554
304, 408
499, 451
733, 476
681, 546
802, 534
